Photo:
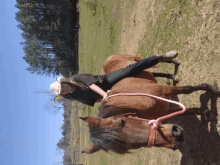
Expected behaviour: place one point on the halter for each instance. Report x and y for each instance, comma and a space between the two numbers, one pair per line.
152, 132
153, 123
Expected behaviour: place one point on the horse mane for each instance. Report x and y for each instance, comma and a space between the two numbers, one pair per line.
106, 111
106, 138
109, 139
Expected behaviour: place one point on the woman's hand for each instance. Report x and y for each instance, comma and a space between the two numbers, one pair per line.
98, 90
106, 95
108, 92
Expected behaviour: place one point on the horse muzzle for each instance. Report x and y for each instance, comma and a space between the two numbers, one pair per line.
177, 133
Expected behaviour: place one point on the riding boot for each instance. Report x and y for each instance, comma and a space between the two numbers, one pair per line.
168, 56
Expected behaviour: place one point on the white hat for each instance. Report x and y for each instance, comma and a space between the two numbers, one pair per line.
55, 87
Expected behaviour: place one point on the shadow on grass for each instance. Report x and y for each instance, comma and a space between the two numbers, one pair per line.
201, 137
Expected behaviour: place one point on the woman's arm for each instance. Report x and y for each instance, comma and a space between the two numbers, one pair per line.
98, 90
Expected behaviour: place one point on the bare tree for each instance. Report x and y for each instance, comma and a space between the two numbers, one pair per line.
52, 106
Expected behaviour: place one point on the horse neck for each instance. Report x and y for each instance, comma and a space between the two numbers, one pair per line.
108, 110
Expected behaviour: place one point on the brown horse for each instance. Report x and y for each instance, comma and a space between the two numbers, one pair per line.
119, 134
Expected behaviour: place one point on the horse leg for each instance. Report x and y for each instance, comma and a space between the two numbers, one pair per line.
205, 114
169, 76
174, 61
175, 90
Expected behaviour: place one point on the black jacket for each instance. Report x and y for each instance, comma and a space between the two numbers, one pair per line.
87, 95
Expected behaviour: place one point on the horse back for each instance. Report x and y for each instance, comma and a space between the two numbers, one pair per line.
144, 106
118, 61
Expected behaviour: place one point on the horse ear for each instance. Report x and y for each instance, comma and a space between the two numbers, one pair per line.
92, 121
91, 149
84, 118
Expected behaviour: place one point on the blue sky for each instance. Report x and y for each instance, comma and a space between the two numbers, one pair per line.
28, 132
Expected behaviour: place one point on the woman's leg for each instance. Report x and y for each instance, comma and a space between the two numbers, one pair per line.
131, 70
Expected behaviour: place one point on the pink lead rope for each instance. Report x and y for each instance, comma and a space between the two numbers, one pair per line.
155, 123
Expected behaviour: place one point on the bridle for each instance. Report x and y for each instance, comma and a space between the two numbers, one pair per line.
153, 123
152, 135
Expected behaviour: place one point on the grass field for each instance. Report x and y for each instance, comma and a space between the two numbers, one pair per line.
144, 28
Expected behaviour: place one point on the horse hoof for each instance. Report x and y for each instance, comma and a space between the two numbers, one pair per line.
176, 79
176, 62
206, 114
214, 89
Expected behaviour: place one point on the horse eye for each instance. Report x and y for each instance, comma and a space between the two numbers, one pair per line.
122, 121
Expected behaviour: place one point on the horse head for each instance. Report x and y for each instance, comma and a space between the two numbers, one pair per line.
119, 134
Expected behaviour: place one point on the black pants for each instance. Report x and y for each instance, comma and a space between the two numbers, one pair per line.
129, 71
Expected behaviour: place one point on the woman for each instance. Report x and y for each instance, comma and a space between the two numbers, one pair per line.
88, 89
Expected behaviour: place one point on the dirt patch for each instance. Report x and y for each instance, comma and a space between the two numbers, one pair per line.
133, 25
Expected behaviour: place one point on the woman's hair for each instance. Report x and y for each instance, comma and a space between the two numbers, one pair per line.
68, 87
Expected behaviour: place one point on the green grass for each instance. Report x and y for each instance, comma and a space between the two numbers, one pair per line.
102, 29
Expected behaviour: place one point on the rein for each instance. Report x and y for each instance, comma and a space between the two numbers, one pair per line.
154, 123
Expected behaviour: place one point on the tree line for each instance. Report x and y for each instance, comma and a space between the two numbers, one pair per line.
50, 30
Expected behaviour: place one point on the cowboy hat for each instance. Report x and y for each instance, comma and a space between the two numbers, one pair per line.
55, 87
